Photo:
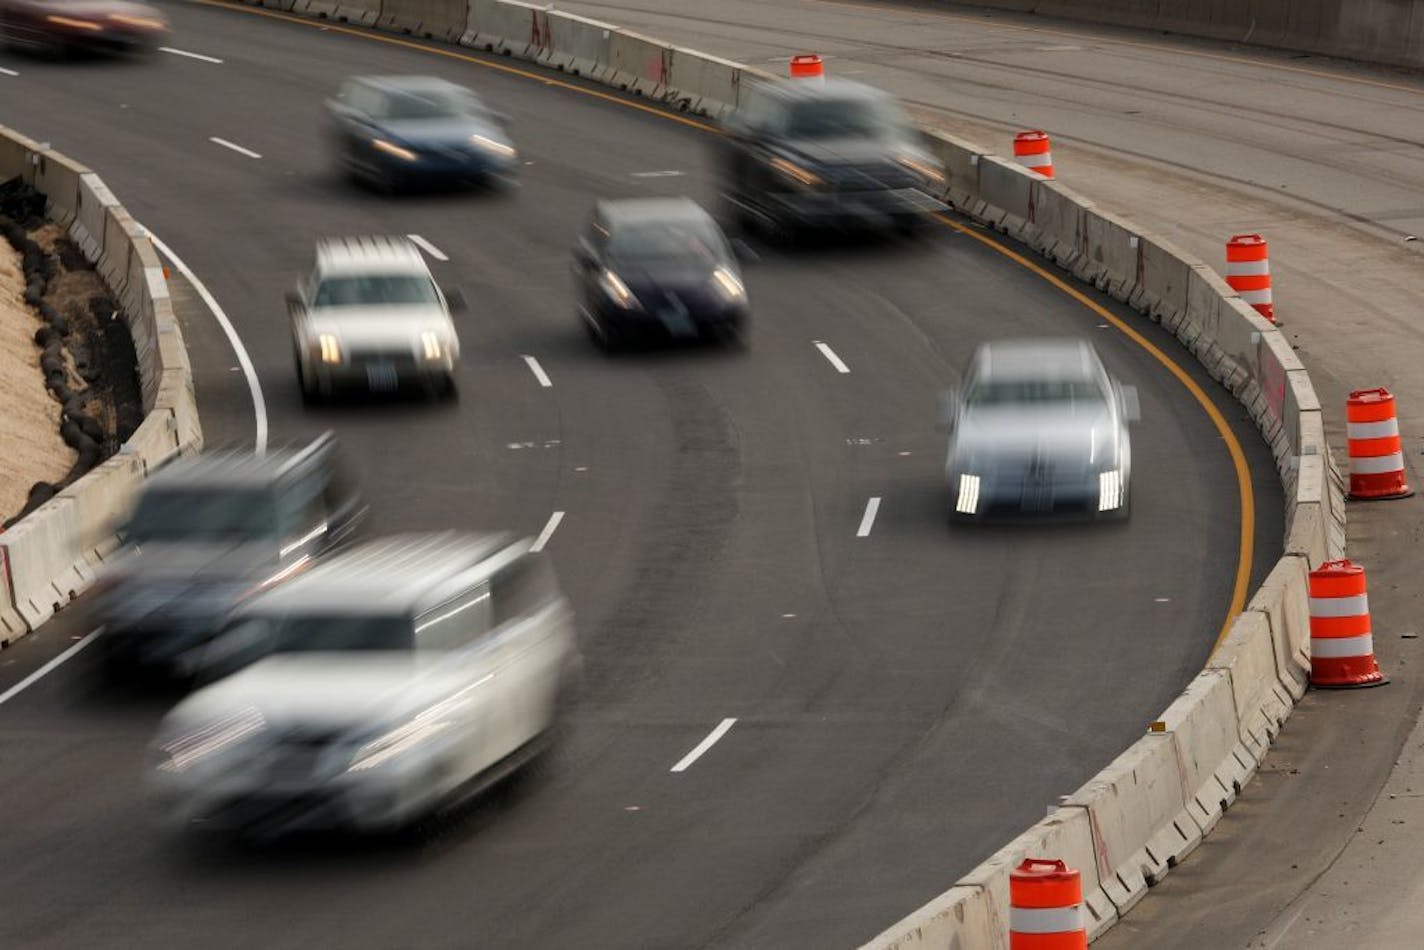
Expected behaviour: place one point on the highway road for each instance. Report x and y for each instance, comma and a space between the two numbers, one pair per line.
904, 701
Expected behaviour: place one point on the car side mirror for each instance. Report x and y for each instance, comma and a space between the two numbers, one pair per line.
583, 254
948, 406
455, 300
1131, 405
744, 252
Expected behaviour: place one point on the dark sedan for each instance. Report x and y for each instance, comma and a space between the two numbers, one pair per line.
808, 157
657, 267
58, 27
399, 132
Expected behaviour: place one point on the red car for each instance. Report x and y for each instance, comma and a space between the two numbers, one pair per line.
57, 27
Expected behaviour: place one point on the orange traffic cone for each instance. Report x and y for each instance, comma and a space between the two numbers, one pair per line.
1342, 649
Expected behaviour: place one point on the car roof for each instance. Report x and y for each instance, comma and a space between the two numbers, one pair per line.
391, 575
235, 469
1047, 358
624, 211
368, 253
802, 90
415, 84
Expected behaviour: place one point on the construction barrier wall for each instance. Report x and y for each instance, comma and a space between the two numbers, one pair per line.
51, 554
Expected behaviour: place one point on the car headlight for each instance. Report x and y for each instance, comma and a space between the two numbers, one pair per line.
74, 24
924, 169
1111, 490
794, 172
496, 148
430, 344
391, 148
617, 291
728, 285
329, 348
398, 741
188, 749
967, 503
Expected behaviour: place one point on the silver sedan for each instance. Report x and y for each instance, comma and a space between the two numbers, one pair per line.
1039, 426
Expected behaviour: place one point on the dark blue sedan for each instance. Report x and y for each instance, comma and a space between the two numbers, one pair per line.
400, 132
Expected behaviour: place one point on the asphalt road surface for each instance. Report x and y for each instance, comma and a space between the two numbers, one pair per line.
905, 701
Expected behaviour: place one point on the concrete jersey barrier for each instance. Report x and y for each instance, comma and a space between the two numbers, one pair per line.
1134, 821
51, 554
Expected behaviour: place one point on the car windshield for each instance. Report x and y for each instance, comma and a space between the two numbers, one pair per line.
841, 119
667, 242
196, 514
1058, 393
371, 291
429, 104
340, 632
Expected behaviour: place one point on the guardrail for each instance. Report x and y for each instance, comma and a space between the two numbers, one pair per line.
52, 553
1137, 818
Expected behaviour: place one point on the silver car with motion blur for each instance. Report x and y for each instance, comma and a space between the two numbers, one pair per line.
387, 683
1039, 426
371, 316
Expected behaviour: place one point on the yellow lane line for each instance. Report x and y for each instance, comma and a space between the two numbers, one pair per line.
1238, 455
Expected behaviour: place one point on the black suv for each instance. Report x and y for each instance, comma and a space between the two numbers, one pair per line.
205, 534
801, 154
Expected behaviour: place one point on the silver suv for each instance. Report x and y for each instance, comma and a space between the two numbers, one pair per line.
370, 315
388, 682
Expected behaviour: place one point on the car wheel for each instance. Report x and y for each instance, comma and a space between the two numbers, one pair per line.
444, 388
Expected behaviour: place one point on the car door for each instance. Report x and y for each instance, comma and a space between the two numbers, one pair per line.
450, 636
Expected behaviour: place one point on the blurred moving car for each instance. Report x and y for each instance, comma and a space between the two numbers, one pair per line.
396, 132
842, 154
370, 315
395, 677
657, 265
1039, 426
207, 533
57, 27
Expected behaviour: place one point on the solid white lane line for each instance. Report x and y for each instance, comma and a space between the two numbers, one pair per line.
183, 52
259, 405
830, 355
868, 519
235, 147
538, 372
701, 747
547, 533
427, 247
7, 72
34, 677
668, 173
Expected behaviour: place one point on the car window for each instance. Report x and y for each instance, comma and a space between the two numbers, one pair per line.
365, 291
429, 104
309, 633
690, 243
1035, 392
182, 514
825, 119
457, 621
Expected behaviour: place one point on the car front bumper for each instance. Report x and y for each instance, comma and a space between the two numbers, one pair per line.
1008, 495
382, 372
856, 208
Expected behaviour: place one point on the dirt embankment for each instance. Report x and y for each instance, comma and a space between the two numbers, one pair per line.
67, 363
